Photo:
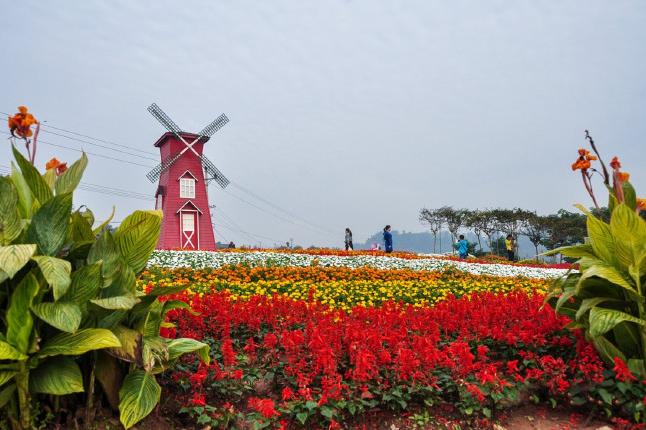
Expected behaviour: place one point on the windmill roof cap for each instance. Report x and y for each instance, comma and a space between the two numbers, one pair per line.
186, 135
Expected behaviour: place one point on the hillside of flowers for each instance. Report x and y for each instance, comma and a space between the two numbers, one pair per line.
326, 341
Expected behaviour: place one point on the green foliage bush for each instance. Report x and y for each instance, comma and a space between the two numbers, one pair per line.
70, 312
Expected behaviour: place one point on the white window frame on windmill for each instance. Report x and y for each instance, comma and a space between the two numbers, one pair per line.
187, 185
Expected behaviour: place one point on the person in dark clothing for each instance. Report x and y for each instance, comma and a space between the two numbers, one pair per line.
388, 239
231, 245
348, 240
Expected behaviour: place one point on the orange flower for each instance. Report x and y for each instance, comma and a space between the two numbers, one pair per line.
641, 205
20, 123
55, 164
583, 162
614, 163
623, 176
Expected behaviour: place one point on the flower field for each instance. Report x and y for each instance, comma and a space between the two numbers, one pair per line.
324, 341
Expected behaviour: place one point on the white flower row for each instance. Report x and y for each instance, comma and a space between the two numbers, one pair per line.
206, 259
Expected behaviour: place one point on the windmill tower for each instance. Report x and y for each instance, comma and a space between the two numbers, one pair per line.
184, 174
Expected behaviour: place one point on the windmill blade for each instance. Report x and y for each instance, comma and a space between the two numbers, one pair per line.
212, 172
164, 119
154, 174
212, 128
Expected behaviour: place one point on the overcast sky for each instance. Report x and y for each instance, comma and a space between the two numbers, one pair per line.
342, 113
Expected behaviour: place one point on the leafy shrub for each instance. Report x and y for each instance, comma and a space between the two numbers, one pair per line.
68, 301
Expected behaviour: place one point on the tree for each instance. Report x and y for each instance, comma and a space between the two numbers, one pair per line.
564, 229
536, 230
453, 218
434, 222
477, 221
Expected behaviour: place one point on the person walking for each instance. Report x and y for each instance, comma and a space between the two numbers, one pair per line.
462, 246
348, 240
388, 239
509, 244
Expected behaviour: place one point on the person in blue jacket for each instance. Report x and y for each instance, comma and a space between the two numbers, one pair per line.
388, 239
463, 247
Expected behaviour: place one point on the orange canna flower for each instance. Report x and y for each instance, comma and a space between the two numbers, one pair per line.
623, 176
583, 162
641, 205
614, 163
55, 164
20, 123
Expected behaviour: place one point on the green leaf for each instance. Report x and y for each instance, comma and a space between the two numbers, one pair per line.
587, 304
138, 396
603, 320
6, 376
131, 344
10, 221
24, 193
78, 343
574, 251
105, 223
65, 316
567, 294
176, 304
607, 349
70, 179
605, 271
626, 337
115, 303
165, 291
56, 272
81, 230
181, 346
637, 367
36, 183
15, 257
153, 320
630, 196
50, 225
6, 394
50, 178
86, 283
19, 320
605, 395
601, 239
137, 237
58, 376
629, 233
105, 249
8, 352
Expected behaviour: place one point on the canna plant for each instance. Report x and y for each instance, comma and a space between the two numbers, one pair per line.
71, 318
607, 296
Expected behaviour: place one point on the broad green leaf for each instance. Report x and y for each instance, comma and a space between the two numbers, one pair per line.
153, 320
70, 179
56, 272
626, 337
116, 303
138, 396
112, 319
122, 283
137, 237
607, 349
176, 304
154, 353
110, 375
6, 376
629, 233
78, 343
86, 283
601, 239
65, 316
105, 223
574, 251
567, 294
131, 345
81, 231
50, 225
19, 320
58, 376
181, 346
10, 220
15, 257
165, 291
25, 199
587, 304
8, 352
604, 271
105, 249
602, 320
6, 394
34, 180
630, 196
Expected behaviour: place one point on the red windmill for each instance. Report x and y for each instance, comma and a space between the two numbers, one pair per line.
184, 174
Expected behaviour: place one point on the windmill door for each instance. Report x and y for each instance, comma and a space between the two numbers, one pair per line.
189, 235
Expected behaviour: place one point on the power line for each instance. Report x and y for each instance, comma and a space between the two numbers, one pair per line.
44, 124
87, 152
